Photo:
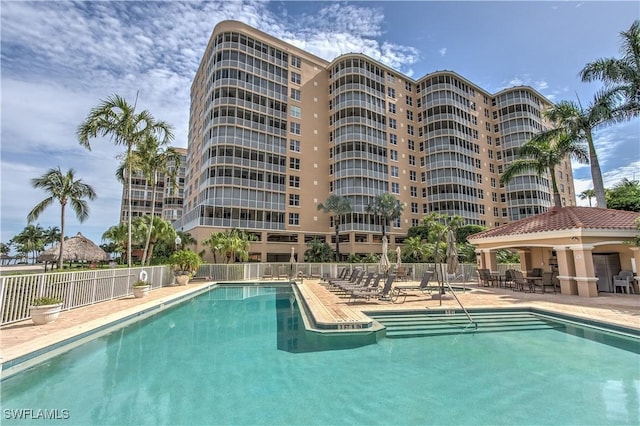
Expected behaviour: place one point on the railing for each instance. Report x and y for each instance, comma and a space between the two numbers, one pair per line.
83, 288
77, 289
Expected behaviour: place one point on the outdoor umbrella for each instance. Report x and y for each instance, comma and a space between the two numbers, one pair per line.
292, 260
384, 258
75, 249
398, 257
452, 254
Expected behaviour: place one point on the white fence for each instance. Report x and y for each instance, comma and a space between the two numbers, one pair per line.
81, 288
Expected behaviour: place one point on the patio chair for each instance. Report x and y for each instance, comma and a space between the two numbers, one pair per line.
382, 294
486, 279
520, 284
508, 278
624, 281
547, 281
403, 290
354, 278
267, 274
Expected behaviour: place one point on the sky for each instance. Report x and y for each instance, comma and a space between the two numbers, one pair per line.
60, 59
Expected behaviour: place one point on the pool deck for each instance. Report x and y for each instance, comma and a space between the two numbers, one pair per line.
22, 338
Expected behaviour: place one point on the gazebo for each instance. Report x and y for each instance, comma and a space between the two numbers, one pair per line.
586, 246
78, 248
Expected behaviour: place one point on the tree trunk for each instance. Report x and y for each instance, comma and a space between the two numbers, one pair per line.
129, 146
61, 235
596, 173
337, 241
557, 201
153, 211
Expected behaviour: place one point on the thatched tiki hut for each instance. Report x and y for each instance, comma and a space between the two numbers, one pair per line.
78, 248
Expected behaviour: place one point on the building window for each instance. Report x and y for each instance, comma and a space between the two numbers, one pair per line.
294, 145
294, 181
425, 208
391, 92
392, 107
409, 129
295, 111
393, 139
296, 62
395, 187
481, 194
409, 100
394, 171
296, 78
409, 115
503, 198
414, 191
504, 212
493, 182
392, 123
295, 94
492, 168
414, 207
394, 155
294, 163
294, 219
294, 200
412, 160
413, 177
295, 128
396, 223
495, 212
481, 208
407, 86
411, 145
494, 197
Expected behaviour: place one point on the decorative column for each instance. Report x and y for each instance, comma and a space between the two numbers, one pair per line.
585, 274
566, 271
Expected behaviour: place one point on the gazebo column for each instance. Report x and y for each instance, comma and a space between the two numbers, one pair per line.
585, 273
636, 262
490, 260
566, 271
524, 260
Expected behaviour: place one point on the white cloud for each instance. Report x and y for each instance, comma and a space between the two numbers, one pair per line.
443, 51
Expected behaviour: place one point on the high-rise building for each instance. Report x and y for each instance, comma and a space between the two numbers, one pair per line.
168, 199
275, 130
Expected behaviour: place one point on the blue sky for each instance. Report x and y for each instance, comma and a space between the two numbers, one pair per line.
60, 59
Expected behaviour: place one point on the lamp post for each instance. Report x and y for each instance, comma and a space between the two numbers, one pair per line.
178, 241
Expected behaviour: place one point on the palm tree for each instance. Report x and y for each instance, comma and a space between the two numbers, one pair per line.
215, 243
51, 235
587, 193
318, 252
579, 124
30, 240
186, 239
541, 155
157, 160
155, 229
64, 188
339, 206
439, 226
116, 118
118, 235
414, 248
621, 76
387, 208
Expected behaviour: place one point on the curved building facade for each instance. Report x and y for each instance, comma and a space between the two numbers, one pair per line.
275, 130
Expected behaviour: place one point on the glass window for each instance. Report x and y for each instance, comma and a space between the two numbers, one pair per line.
294, 200
296, 62
294, 219
395, 187
294, 145
296, 78
295, 111
295, 128
295, 94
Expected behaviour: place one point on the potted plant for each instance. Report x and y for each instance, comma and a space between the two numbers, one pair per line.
140, 288
44, 310
185, 263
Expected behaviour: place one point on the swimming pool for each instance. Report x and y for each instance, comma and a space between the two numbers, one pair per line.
238, 355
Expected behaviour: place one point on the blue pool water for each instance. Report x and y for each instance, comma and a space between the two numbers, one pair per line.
240, 356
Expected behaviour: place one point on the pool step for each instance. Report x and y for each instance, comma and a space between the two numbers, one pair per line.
418, 324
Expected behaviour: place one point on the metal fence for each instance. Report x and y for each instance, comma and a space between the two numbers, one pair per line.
76, 289
83, 288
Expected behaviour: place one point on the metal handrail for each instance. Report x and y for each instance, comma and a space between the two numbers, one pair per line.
460, 303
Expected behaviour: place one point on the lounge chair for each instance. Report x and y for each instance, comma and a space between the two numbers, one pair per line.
267, 275
382, 294
354, 278
402, 290
365, 280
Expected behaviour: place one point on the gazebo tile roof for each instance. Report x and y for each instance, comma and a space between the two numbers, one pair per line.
565, 218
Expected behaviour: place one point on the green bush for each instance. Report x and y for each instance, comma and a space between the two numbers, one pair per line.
42, 301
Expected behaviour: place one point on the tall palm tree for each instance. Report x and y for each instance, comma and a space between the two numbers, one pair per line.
387, 207
621, 76
116, 118
415, 248
579, 124
66, 189
587, 193
439, 226
215, 243
157, 160
339, 206
541, 155
51, 235
117, 234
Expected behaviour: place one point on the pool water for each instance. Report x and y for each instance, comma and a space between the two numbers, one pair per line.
239, 356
